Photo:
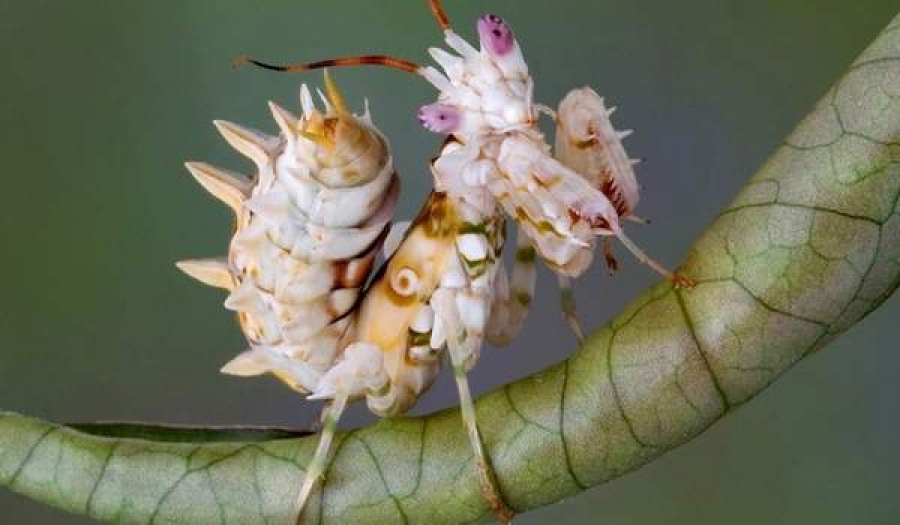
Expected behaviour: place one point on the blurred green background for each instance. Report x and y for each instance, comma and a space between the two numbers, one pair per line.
102, 101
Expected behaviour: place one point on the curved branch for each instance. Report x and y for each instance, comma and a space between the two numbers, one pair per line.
804, 252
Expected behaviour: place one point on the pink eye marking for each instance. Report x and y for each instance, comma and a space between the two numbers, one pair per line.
440, 118
496, 36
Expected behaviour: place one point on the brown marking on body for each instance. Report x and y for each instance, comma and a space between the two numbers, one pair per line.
586, 143
331, 310
438, 217
609, 188
599, 222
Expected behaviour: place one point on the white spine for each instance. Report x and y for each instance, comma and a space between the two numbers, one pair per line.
309, 226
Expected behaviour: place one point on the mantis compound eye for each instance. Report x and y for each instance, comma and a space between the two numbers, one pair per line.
496, 36
440, 118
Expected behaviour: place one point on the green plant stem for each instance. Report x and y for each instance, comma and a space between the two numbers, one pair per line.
807, 249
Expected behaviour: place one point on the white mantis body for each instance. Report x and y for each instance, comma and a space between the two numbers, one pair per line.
562, 203
443, 283
308, 227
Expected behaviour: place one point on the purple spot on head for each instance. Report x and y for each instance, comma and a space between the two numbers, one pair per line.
439, 118
496, 36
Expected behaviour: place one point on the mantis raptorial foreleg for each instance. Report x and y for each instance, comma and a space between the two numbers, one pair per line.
588, 144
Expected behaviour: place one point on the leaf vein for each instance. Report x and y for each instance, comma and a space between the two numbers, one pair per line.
88, 507
567, 456
28, 455
716, 381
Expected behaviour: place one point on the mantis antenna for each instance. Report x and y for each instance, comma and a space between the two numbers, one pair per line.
440, 16
392, 62
401, 64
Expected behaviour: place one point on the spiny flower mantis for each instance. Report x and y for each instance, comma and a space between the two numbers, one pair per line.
308, 226
443, 282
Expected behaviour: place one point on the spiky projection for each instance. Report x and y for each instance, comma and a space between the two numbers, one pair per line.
309, 224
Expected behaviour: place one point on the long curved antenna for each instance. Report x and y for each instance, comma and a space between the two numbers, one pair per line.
440, 16
400, 64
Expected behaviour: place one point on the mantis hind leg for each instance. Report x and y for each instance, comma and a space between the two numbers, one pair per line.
460, 349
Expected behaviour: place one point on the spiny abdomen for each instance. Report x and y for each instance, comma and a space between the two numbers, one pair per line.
308, 227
